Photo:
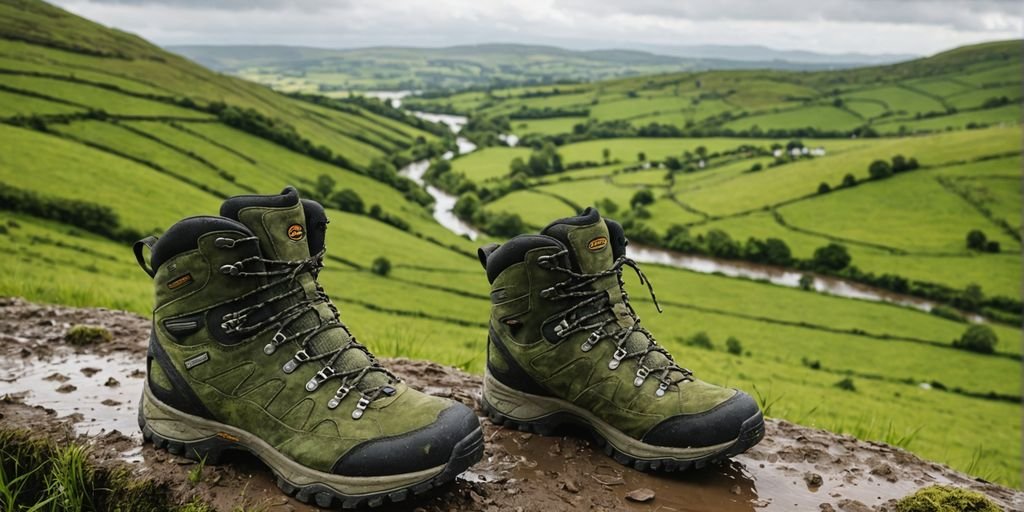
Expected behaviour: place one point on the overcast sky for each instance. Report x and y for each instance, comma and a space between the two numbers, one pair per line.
830, 26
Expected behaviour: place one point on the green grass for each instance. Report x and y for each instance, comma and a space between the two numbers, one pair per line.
899, 100
824, 117
551, 126
99, 99
539, 210
488, 163
1002, 116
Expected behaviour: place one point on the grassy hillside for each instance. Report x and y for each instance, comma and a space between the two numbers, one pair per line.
966, 87
294, 68
95, 117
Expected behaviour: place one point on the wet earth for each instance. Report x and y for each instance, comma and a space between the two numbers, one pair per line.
90, 393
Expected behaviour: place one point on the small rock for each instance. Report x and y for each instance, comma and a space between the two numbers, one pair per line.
571, 486
111, 382
66, 388
826, 507
813, 480
57, 377
137, 374
640, 495
853, 506
736, 489
110, 403
89, 371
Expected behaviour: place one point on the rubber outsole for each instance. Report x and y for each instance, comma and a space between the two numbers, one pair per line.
751, 432
211, 451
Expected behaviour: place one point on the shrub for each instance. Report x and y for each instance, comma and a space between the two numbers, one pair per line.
976, 240
381, 266
466, 206
824, 188
734, 346
806, 282
846, 384
948, 313
700, 340
879, 169
505, 224
347, 200
95, 218
756, 167
721, 245
607, 206
642, 197
978, 338
832, 257
81, 335
324, 186
992, 246
849, 181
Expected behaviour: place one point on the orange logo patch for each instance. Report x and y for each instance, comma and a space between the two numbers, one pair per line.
598, 243
178, 282
296, 232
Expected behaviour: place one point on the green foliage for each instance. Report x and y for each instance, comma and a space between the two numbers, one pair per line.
699, 340
81, 335
832, 257
879, 169
846, 384
976, 240
99, 219
642, 197
734, 346
824, 188
347, 200
978, 338
381, 266
948, 313
607, 206
849, 181
941, 498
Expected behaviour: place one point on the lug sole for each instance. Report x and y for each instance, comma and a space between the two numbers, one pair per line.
201, 439
548, 416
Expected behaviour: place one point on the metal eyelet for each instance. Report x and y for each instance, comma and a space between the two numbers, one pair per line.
271, 347
661, 390
360, 407
561, 328
591, 341
641, 375
224, 243
322, 375
231, 269
338, 396
617, 358
293, 363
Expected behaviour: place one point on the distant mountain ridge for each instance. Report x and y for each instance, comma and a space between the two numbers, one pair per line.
459, 67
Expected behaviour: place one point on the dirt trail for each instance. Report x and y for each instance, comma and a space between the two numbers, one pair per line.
91, 392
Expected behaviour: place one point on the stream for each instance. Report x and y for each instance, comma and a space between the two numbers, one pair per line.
443, 203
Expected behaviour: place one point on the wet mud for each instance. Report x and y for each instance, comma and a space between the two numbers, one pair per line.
91, 393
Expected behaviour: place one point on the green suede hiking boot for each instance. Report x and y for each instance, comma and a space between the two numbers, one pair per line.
566, 347
248, 353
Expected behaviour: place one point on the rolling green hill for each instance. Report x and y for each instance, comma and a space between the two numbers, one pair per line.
107, 137
967, 87
301, 69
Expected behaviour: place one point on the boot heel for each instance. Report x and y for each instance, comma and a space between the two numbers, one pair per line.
172, 431
518, 410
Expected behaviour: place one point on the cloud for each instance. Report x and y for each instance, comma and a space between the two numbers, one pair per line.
866, 26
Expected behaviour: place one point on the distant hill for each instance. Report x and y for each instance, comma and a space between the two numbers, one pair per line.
460, 67
763, 54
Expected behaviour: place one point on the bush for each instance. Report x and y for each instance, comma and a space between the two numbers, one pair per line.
505, 224
81, 335
806, 282
381, 266
992, 246
95, 218
607, 206
978, 338
976, 240
642, 197
832, 257
347, 200
756, 167
734, 346
846, 384
700, 340
466, 206
879, 169
849, 181
824, 188
721, 245
948, 313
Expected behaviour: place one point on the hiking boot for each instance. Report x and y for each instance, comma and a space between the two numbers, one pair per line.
566, 347
248, 353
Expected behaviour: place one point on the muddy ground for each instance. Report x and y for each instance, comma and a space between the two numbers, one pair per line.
90, 393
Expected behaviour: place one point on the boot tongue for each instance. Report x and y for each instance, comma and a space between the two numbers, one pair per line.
290, 229
594, 244
278, 220
587, 238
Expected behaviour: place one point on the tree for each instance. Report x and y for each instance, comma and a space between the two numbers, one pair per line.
832, 257
721, 245
756, 167
606, 154
849, 181
381, 266
641, 156
702, 152
992, 246
978, 338
607, 206
673, 163
776, 252
518, 167
324, 186
733, 346
347, 200
642, 197
879, 169
823, 188
976, 240
466, 206
505, 224
807, 282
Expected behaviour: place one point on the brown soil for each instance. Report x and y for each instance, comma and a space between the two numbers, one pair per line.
57, 390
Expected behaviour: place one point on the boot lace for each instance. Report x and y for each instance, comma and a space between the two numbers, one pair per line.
594, 306
283, 275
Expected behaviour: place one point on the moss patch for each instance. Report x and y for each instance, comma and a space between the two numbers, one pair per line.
939, 498
80, 335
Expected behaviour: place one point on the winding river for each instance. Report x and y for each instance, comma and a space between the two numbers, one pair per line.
443, 203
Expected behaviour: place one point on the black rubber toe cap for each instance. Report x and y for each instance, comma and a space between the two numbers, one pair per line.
715, 426
420, 449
